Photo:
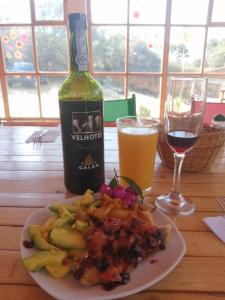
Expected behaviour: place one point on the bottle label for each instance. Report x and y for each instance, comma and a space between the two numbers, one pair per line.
82, 51
83, 144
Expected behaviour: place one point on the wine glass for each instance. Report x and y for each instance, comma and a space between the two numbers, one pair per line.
184, 112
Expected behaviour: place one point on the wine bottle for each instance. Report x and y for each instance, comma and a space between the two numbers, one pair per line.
81, 116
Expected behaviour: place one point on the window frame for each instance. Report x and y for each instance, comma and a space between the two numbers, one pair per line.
164, 74
36, 73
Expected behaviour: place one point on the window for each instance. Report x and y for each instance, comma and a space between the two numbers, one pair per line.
33, 58
137, 45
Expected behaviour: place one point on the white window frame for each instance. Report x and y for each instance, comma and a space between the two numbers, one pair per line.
85, 5
164, 74
36, 73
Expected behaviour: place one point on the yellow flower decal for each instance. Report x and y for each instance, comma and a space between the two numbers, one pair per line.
18, 54
8, 55
19, 44
13, 34
5, 39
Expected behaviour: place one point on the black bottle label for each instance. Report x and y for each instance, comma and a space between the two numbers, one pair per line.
83, 144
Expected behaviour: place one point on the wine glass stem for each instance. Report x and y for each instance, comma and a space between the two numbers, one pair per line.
175, 194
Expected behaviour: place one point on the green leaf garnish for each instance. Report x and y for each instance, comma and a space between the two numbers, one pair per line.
113, 182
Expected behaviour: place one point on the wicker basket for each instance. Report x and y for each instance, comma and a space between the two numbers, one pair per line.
206, 148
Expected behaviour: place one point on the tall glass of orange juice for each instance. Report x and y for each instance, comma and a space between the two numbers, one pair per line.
137, 142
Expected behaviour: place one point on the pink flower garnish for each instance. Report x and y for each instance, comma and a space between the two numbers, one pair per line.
120, 192
130, 199
106, 189
129, 189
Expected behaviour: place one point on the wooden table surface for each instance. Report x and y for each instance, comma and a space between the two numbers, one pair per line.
30, 179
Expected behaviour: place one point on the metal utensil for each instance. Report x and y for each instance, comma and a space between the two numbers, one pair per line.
37, 140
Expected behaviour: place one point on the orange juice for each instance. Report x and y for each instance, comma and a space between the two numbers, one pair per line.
137, 150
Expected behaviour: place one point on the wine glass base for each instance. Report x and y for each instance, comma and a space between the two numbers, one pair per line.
181, 206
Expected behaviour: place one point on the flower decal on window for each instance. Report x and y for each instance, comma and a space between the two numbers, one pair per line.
19, 44
10, 47
8, 55
13, 34
18, 54
24, 37
136, 14
5, 39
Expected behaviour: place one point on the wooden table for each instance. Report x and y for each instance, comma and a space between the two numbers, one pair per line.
30, 179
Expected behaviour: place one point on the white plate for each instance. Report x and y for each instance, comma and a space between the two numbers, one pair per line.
144, 276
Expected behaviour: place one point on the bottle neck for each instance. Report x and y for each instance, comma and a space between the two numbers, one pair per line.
78, 47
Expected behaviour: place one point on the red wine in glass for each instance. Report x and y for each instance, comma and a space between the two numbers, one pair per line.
184, 112
181, 141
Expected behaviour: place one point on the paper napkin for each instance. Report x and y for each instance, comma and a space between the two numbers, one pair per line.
217, 225
49, 137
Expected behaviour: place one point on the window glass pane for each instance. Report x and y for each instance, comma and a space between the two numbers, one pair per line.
51, 48
186, 48
49, 9
22, 94
18, 49
215, 54
147, 12
218, 14
108, 44
2, 111
15, 11
146, 49
113, 87
216, 89
189, 11
49, 95
147, 90
109, 12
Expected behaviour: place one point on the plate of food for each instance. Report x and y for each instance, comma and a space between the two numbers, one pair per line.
100, 246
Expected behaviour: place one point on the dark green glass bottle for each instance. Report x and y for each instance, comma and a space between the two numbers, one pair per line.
81, 115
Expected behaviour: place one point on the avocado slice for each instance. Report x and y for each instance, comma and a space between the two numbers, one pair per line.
86, 200
67, 238
58, 271
39, 241
55, 208
49, 224
80, 225
94, 205
41, 259
65, 217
